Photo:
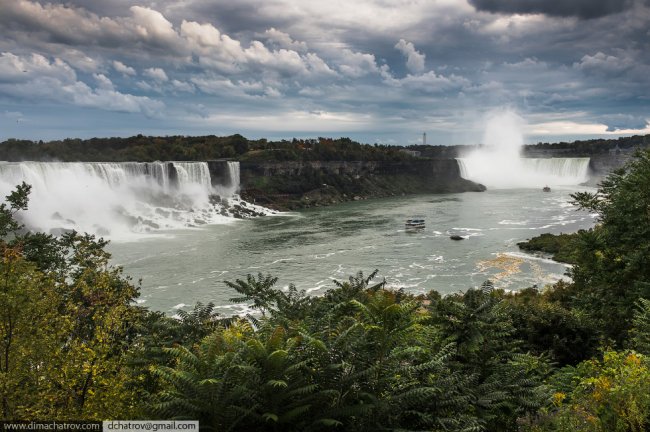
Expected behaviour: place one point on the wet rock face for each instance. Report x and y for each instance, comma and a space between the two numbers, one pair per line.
236, 208
299, 184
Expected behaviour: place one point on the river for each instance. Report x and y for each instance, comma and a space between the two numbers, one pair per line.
310, 248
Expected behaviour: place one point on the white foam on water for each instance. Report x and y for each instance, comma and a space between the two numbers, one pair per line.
122, 200
530, 257
511, 222
283, 260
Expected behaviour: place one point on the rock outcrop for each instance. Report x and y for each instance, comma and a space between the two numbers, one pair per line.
300, 184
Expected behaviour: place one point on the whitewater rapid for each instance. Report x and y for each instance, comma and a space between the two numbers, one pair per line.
120, 200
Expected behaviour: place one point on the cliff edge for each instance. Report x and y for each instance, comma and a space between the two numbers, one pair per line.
292, 185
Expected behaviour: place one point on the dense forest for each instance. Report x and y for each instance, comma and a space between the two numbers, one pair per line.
200, 148
594, 146
575, 148
363, 357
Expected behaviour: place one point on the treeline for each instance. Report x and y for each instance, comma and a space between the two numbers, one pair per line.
200, 148
583, 148
362, 357
594, 146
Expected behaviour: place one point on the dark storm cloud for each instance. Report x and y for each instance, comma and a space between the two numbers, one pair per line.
624, 121
585, 9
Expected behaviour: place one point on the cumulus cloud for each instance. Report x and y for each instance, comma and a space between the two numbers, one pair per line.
66, 24
122, 68
61, 24
83, 95
156, 74
284, 40
152, 27
540, 56
585, 9
221, 52
601, 63
103, 82
429, 82
14, 68
356, 64
36, 78
182, 86
414, 59
202, 35
317, 65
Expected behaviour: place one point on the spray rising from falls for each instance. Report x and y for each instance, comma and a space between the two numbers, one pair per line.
498, 164
120, 199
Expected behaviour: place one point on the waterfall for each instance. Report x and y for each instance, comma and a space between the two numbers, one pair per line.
565, 170
233, 176
498, 163
118, 199
525, 172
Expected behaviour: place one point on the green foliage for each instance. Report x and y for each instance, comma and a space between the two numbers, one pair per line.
358, 358
561, 246
149, 148
479, 323
546, 326
65, 319
199, 148
17, 200
361, 357
260, 292
612, 268
640, 333
591, 147
606, 395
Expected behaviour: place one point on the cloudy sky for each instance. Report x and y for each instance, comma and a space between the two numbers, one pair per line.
374, 70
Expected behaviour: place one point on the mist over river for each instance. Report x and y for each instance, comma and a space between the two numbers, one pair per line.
312, 247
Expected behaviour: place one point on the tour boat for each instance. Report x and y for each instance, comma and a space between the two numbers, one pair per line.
546, 189
414, 224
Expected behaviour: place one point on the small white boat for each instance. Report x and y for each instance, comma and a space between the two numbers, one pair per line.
414, 224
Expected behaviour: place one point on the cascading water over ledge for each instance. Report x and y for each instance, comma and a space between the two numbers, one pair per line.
121, 199
524, 172
498, 163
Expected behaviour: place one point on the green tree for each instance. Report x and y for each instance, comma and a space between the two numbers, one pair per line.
65, 324
507, 384
609, 395
612, 268
640, 333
